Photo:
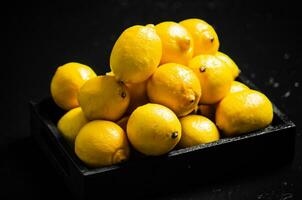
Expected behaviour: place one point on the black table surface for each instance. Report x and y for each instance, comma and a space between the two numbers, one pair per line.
264, 39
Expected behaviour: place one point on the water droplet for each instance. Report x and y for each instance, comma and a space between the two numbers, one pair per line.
286, 94
276, 84
271, 80
286, 56
286, 196
297, 84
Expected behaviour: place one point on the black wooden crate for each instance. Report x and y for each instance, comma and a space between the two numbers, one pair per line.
259, 150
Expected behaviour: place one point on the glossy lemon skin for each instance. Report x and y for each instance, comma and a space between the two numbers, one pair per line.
177, 43
204, 36
238, 87
70, 124
196, 130
136, 54
153, 129
175, 86
210, 109
231, 64
138, 94
214, 75
243, 112
102, 143
66, 83
104, 97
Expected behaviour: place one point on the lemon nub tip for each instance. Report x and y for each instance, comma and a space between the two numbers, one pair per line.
184, 43
123, 94
150, 25
119, 156
202, 69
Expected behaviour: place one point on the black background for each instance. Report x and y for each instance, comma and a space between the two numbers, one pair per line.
264, 38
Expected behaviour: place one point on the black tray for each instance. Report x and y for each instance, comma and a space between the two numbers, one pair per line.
258, 150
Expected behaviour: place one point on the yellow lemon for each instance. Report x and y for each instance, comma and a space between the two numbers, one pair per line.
238, 87
101, 143
244, 111
66, 83
175, 86
232, 65
196, 130
204, 36
153, 129
136, 54
138, 95
71, 123
104, 97
214, 75
109, 73
210, 109
177, 43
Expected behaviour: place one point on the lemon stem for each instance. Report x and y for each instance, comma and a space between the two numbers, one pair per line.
123, 94
174, 135
202, 69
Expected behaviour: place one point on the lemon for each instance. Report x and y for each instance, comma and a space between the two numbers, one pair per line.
196, 130
214, 75
109, 73
153, 129
136, 54
238, 87
101, 143
204, 36
232, 65
244, 111
71, 123
104, 97
66, 82
175, 86
210, 109
177, 43
138, 95
123, 122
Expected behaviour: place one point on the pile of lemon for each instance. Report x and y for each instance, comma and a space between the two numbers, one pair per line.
169, 87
